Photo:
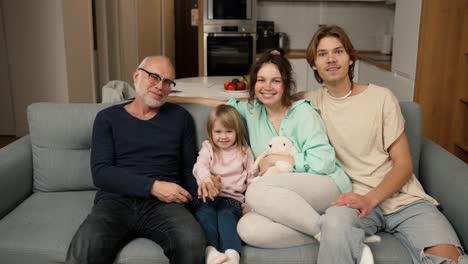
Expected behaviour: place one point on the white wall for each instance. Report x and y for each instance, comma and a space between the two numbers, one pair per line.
36, 54
364, 22
128, 31
79, 51
45, 64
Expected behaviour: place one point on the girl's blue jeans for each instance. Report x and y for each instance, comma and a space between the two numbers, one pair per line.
219, 219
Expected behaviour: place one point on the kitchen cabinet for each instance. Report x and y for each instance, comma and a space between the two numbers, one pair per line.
401, 79
303, 75
465, 33
300, 68
442, 80
405, 37
401, 86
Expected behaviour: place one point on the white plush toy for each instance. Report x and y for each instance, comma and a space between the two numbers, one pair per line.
277, 145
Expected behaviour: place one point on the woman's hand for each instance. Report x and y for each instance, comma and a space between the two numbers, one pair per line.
270, 160
209, 188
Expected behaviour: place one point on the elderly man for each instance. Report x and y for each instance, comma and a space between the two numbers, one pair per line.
141, 161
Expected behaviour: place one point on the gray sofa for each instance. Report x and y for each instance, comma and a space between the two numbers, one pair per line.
46, 190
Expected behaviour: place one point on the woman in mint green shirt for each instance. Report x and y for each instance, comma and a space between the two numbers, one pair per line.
293, 202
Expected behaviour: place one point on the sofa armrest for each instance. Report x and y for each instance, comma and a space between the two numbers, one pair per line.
445, 177
16, 174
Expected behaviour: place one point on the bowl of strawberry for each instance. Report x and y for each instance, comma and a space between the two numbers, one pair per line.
235, 85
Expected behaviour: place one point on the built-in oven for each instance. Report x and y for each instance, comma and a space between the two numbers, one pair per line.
229, 12
229, 50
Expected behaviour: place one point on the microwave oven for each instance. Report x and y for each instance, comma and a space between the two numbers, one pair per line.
229, 12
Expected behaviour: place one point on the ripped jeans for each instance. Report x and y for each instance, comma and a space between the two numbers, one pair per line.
418, 226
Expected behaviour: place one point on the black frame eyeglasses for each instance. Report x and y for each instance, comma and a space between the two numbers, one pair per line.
156, 78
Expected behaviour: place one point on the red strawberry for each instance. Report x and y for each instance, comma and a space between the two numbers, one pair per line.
241, 86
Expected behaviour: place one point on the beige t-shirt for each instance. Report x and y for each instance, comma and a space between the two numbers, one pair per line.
361, 128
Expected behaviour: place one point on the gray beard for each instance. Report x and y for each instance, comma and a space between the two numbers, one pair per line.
148, 101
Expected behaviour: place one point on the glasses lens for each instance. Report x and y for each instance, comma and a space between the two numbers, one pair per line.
155, 78
169, 83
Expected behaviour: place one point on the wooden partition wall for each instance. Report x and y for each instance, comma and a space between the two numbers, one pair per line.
441, 86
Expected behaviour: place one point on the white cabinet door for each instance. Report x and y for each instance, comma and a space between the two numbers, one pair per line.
401, 86
405, 37
304, 75
300, 68
311, 81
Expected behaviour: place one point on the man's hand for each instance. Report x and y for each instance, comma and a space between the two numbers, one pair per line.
270, 160
353, 200
209, 188
170, 192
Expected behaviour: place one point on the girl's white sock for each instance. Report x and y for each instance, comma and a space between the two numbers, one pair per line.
317, 236
233, 256
213, 256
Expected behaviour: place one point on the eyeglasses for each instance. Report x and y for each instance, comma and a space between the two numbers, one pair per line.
154, 77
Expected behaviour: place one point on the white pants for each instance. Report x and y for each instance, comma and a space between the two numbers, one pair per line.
286, 209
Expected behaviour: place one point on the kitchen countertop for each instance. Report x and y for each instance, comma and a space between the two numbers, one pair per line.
375, 58
207, 86
372, 57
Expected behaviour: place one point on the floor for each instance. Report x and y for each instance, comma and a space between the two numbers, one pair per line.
5, 140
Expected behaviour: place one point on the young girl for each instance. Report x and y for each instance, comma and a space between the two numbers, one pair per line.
227, 155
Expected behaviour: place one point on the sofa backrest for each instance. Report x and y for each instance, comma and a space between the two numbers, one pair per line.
61, 141
412, 114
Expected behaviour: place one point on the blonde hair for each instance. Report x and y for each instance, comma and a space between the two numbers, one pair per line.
229, 118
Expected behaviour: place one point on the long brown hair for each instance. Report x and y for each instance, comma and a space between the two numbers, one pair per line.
330, 31
276, 57
229, 118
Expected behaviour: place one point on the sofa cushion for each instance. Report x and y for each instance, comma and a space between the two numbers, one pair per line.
388, 251
200, 116
60, 138
412, 114
41, 228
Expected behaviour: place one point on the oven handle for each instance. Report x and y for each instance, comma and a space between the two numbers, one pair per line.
231, 34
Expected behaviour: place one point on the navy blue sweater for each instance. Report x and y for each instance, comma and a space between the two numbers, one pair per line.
129, 154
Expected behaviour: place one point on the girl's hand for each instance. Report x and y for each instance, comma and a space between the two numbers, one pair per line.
270, 160
208, 188
245, 208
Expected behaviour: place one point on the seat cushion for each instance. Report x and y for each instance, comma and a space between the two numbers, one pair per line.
41, 228
388, 251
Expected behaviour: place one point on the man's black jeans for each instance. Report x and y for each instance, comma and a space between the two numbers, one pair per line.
114, 222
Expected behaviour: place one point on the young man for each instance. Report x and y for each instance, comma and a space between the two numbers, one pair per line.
141, 160
366, 127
